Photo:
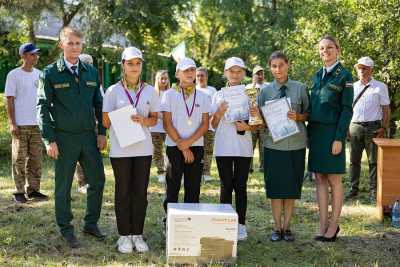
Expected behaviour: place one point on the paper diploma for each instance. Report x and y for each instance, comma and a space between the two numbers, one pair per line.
238, 103
127, 131
275, 114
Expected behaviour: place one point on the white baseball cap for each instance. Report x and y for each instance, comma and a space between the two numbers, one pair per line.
185, 63
131, 52
234, 61
366, 61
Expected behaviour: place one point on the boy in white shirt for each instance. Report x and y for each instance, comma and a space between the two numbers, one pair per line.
21, 93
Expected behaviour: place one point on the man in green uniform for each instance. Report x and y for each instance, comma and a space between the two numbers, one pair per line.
69, 99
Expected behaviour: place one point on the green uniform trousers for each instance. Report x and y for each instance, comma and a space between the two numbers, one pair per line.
361, 138
80, 148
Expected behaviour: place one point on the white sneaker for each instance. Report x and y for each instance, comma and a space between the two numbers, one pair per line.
161, 178
242, 232
207, 178
124, 244
139, 243
83, 189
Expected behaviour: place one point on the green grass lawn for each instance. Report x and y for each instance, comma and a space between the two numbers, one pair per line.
29, 235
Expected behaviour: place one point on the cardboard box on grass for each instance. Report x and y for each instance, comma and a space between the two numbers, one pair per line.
199, 233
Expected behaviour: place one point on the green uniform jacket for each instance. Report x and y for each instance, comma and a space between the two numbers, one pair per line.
66, 104
332, 99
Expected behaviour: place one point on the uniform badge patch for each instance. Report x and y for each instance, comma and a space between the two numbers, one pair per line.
349, 85
61, 85
91, 83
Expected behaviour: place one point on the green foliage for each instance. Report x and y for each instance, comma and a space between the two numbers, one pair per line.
217, 29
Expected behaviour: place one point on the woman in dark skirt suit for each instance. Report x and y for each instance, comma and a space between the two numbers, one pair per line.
285, 159
329, 119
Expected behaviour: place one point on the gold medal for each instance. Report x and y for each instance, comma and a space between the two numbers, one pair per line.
189, 122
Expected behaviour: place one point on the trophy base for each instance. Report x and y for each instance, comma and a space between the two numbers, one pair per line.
255, 121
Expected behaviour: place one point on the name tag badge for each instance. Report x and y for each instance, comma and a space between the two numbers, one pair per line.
61, 85
91, 83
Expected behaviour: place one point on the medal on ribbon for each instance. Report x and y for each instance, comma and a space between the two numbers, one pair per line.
189, 112
137, 95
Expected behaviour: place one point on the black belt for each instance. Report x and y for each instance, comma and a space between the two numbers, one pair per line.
367, 123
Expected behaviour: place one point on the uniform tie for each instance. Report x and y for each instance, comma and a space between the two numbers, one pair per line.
325, 72
283, 91
74, 72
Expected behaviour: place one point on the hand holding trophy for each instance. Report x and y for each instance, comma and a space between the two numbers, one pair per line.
252, 94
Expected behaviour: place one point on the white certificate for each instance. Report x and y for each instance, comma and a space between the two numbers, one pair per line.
127, 131
275, 114
238, 103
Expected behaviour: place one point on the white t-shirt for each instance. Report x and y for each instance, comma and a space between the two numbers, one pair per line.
116, 98
210, 92
227, 142
368, 107
23, 87
159, 127
172, 101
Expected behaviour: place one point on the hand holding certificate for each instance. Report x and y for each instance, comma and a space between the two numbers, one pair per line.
238, 104
127, 131
276, 115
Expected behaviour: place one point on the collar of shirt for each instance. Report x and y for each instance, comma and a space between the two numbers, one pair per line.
199, 87
277, 85
368, 83
69, 65
330, 68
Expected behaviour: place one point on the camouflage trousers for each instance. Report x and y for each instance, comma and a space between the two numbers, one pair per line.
208, 152
258, 137
158, 153
79, 176
26, 159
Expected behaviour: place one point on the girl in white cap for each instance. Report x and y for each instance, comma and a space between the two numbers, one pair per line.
185, 115
162, 84
131, 164
233, 146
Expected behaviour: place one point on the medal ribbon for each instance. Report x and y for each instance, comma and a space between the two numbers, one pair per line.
189, 113
137, 95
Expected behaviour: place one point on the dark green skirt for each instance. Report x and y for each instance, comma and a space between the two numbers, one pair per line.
283, 173
320, 157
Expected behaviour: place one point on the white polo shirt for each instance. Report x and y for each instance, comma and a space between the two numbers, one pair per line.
172, 101
368, 107
210, 92
23, 85
116, 98
159, 127
227, 142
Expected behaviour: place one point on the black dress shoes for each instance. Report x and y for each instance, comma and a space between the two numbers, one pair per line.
72, 241
94, 231
333, 238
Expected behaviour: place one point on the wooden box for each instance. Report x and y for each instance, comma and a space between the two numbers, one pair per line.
388, 183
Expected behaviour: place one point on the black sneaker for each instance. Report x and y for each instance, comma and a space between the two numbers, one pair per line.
20, 198
36, 195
